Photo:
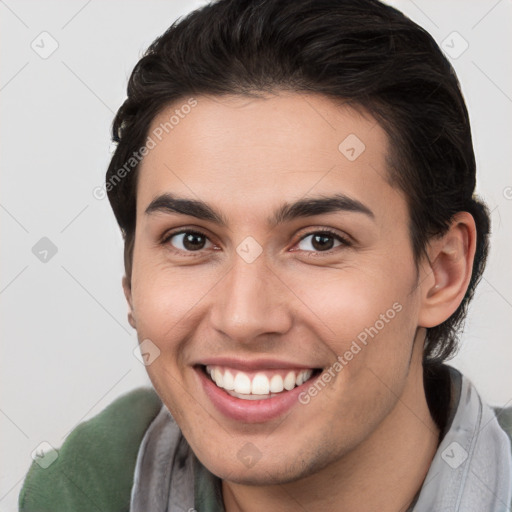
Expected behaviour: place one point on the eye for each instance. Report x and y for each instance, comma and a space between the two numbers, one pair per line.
187, 241
322, 241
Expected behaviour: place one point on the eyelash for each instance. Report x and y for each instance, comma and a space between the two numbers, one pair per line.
344, 242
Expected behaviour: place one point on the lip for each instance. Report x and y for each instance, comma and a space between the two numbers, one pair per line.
254, 365
250, 411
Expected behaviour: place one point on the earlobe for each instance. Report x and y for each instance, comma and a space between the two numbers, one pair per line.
128, 295
450, 266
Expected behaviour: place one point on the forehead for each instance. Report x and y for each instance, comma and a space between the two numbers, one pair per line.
257, 152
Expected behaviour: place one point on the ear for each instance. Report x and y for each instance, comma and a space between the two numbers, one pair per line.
127, 288
448, 271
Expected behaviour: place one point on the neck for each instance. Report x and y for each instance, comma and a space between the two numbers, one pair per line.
383, 473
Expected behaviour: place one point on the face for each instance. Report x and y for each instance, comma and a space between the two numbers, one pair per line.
294, 263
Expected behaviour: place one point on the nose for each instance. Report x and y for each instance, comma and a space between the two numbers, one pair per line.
251, 301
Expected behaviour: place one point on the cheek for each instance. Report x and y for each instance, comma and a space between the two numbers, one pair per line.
166, 309
165, 300
358, 304
371, 330
370, 321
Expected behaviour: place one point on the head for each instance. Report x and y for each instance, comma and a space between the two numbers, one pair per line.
250, 107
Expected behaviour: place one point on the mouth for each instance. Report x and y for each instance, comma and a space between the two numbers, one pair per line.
254, 396
258, 385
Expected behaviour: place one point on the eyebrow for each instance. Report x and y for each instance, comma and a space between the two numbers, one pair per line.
307, 207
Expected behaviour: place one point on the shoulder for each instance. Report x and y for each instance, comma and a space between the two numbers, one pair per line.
504, 417
94, 467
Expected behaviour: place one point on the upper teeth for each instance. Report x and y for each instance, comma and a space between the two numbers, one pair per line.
259, 383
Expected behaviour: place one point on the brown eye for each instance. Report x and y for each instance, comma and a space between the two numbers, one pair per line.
188, 241
321, 241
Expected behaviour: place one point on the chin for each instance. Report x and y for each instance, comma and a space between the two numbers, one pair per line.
261, 477
266, 472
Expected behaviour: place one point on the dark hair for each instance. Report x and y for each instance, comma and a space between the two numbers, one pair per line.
358, 51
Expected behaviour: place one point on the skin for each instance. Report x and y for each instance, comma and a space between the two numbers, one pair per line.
367, 439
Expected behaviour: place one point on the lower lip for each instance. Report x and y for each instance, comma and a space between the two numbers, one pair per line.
250, 411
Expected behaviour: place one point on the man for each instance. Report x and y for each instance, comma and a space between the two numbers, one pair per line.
294, 181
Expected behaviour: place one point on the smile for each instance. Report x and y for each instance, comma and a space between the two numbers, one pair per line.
257, 385
251, 393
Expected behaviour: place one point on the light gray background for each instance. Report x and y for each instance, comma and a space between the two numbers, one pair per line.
67, 348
